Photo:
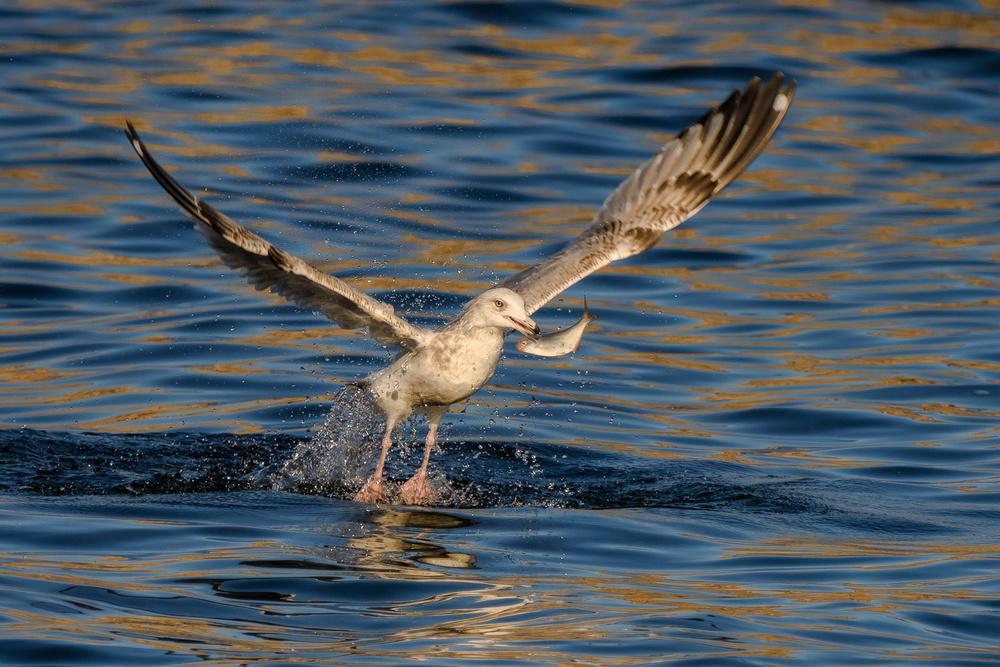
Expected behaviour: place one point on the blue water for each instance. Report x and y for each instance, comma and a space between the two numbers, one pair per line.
779, 444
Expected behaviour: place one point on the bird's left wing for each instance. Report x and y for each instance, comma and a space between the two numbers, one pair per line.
267, 267
665, 191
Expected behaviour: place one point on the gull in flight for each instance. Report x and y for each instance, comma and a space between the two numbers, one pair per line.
438, 367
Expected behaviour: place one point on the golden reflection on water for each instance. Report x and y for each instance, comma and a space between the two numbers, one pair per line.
284, 599
541, 600
527, 81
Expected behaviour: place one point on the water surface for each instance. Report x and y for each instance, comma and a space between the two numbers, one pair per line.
777, 445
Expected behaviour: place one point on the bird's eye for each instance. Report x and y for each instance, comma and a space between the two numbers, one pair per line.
498, 303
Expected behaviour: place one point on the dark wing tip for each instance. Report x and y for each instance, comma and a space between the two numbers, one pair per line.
134, 139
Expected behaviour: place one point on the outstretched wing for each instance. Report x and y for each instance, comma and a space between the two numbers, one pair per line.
267, 267
665, 191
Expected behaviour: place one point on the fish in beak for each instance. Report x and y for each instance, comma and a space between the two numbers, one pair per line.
557, 343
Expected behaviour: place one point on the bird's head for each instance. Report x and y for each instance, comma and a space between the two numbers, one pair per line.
504, 309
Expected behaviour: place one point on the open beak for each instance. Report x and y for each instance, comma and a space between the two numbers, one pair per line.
526, 326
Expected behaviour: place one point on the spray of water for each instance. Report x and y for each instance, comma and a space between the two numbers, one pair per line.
342, 454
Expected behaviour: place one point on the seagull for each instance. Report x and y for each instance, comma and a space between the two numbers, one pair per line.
435, 368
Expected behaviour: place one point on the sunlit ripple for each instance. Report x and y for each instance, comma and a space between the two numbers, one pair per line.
777, 445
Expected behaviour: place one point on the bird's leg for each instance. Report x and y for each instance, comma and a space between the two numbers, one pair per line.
417, 491
372, 492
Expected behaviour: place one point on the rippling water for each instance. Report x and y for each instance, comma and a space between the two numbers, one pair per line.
778, 444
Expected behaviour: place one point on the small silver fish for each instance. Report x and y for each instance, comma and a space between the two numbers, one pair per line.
558, 343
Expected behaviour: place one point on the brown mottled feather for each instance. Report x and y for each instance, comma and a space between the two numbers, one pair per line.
665, 191
662, 193
267, 267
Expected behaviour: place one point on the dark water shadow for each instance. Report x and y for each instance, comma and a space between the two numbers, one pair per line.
469, 475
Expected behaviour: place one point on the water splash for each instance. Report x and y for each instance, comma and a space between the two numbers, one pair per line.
342, 454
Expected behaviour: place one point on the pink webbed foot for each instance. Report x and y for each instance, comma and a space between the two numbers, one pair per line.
371, 492
417, 491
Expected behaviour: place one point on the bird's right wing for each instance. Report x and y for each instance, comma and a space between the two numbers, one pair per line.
665, 191
267, 267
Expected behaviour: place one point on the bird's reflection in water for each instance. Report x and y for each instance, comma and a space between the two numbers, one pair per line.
394, 542
418, 526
